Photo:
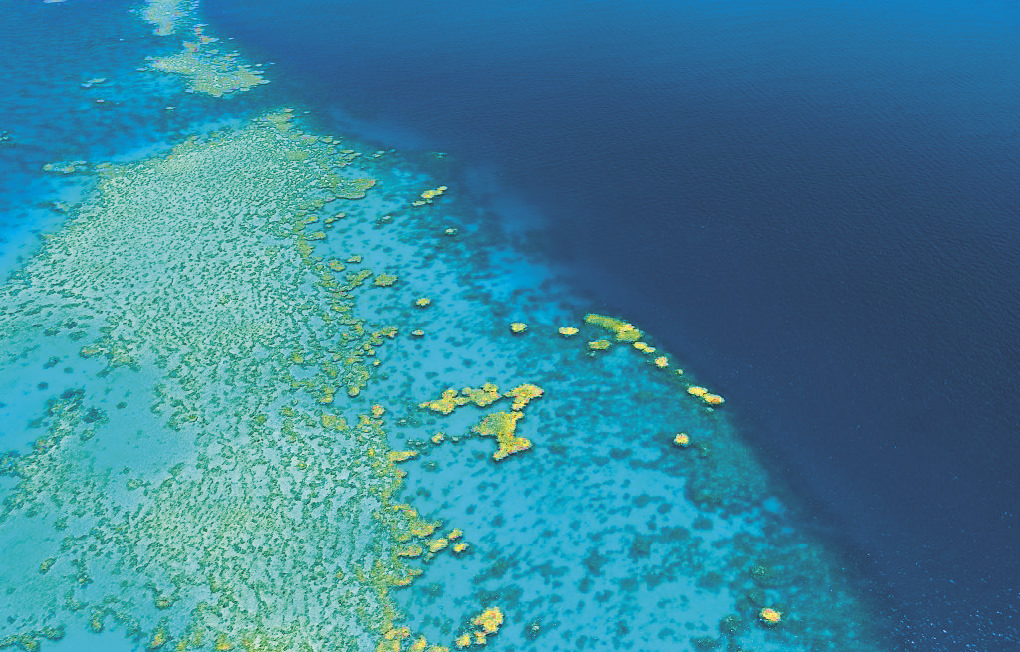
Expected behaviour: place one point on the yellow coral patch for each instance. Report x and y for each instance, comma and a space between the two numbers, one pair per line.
522, 395
410, 551
567, 331
437, 544
158, 640
431, 194
447, 403
503, 425
489, 620
770, 616
624, 332
484, 396
413, 525
397, 633
406, 580
599, 345
422, 529
705, 395
332, 421
401, 456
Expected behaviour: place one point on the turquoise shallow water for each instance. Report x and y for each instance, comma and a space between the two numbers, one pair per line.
219, 355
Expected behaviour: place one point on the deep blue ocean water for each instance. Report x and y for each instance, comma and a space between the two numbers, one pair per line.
816, 202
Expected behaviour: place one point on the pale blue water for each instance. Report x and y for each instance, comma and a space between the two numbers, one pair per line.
814, 207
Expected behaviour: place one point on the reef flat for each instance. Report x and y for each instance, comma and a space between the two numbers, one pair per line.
194, 272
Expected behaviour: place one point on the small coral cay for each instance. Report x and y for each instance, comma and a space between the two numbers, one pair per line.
428, 195
518, 327
567, 331
522, 395
599, 345
623, 331
392, 642
705, 395
484, 396
436, 545
489, 620
503, 426
682, 439
401, 456
769, 617
445, 404
486, 623
451, 399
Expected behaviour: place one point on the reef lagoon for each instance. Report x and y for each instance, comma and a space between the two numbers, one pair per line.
389, 328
